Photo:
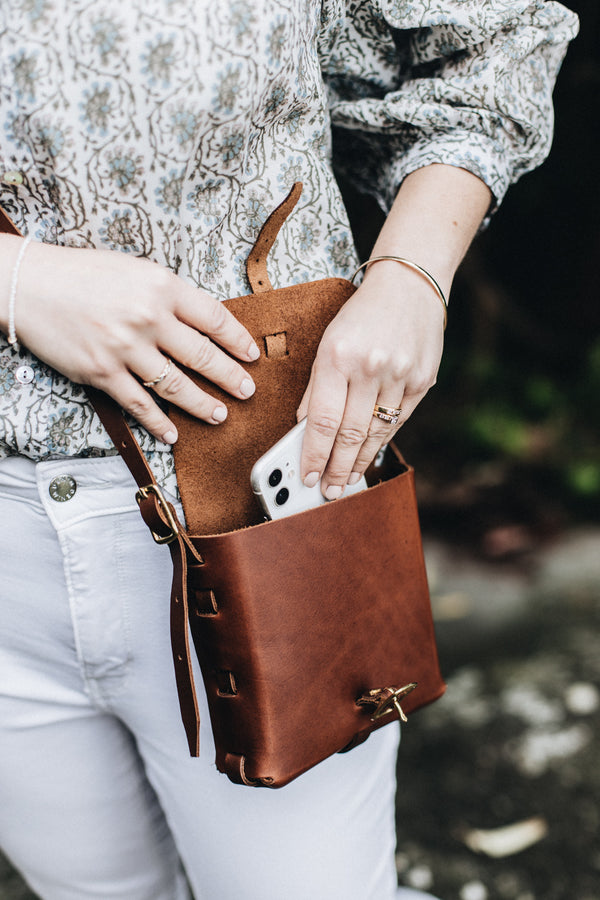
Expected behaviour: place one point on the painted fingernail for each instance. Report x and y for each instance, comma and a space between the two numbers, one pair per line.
247, 387
311, 479
220, 414
334, 491
169, 437
253, 351
354, 478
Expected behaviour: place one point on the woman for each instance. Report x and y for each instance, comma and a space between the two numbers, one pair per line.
167, 131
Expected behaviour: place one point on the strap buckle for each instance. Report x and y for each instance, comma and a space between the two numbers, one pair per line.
142, 494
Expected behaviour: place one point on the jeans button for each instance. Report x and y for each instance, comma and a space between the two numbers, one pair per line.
62, 488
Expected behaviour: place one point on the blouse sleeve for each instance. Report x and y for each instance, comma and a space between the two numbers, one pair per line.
462, 82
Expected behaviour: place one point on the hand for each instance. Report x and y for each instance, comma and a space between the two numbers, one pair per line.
384, 347
113, 321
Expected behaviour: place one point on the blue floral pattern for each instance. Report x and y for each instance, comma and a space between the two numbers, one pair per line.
171, 128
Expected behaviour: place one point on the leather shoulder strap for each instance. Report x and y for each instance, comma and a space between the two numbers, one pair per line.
121, 435
7, 226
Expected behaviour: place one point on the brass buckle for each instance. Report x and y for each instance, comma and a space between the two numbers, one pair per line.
388, 700
143, 494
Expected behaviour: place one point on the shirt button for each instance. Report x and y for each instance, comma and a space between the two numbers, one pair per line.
24, 374
62, 488
12, 177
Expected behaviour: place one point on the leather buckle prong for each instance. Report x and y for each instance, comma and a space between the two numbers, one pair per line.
143, 494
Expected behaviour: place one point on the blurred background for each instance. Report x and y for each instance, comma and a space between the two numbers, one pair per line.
516, 413
499, 782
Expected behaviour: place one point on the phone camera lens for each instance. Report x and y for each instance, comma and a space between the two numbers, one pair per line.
282, 496
275, 477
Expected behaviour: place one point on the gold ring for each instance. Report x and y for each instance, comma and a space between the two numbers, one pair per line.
161, 377
389, 414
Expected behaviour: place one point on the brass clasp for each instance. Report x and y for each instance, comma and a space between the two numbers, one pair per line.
143, 494
387, 700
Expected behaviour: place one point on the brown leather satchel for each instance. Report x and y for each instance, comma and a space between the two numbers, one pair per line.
309, 629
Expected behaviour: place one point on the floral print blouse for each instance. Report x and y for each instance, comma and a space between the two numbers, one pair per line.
171, 128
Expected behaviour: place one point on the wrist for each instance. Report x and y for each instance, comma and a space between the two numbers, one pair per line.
438, 255
436, 214
413, 267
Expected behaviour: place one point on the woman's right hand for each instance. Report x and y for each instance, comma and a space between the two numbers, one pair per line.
113, 321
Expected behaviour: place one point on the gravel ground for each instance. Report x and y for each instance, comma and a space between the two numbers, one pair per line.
499, 781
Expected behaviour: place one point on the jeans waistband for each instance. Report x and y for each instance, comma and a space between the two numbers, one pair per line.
71, 489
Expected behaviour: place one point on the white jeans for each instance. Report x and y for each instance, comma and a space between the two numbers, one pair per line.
98, 796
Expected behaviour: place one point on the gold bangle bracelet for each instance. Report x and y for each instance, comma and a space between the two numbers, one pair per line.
416, 268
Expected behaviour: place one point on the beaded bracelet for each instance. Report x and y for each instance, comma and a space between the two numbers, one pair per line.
416, 268
12, 297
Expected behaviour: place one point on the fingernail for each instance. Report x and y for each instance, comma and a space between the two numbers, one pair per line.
311, 479
253, 351
354, 478
247, 387
334, 491
169, 437
220, 414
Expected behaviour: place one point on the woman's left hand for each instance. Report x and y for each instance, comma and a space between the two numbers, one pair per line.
384, 347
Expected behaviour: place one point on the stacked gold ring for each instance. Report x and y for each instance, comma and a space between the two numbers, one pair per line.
389, 414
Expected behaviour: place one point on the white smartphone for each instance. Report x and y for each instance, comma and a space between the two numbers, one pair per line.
276, 481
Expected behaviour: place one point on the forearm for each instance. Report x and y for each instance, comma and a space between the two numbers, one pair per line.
436, 214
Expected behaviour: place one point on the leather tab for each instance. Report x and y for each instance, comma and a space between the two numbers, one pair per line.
256, 264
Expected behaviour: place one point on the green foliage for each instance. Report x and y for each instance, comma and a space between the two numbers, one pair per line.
584, 477
497, 430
